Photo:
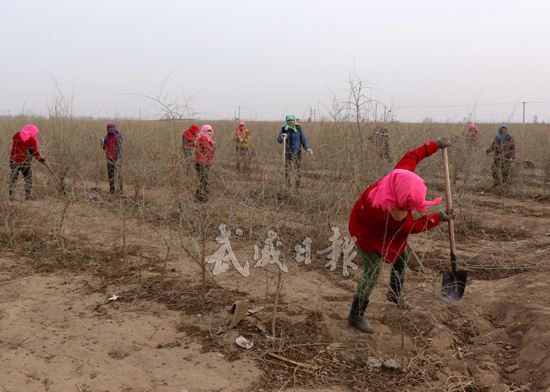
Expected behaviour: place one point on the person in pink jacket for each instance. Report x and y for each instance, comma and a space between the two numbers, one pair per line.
204, 153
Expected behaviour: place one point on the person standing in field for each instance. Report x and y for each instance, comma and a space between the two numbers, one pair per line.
112, 144
382, 140
380, 223
188, 143
473, 135
504, 147
25, 146
242, 137
204, 153
293, 134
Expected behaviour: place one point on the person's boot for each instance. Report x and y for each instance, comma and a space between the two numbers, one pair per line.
394, 295
356, 313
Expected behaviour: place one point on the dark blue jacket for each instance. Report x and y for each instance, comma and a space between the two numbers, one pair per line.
294, 140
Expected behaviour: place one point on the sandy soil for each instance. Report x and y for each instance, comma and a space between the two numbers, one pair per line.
60, 332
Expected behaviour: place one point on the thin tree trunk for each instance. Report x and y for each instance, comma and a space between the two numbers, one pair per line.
277, 294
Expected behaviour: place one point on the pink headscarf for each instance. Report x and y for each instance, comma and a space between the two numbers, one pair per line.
239, 129
202, 133
29, 131
401, 189
473, 134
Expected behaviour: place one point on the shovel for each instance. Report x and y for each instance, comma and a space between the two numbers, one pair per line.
95, 192
454, 283
61, 185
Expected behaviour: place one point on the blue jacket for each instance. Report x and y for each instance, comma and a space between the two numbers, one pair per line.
294, 141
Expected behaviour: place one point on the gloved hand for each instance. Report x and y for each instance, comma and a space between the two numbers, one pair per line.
105, 140
444, 142
241, 139
444, 216
284, 135
43, 160
310, 151
214, 144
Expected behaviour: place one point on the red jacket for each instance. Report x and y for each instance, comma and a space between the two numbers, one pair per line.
20, 151
189, 137
113, 145
375, 230
204, 151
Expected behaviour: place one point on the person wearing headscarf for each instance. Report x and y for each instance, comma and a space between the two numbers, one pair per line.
241, 137
380, 223
25, 146
204, 153
295, 139
112, 144
473, 135
188, 143
504, 147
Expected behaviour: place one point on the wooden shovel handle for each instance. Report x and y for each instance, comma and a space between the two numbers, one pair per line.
449, 206
284, 150
98, 167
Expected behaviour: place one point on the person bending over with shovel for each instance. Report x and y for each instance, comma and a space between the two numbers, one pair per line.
380, 223
112, 144
293, 136
25, 146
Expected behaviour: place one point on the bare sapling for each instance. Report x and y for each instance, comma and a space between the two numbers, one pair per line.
280, 280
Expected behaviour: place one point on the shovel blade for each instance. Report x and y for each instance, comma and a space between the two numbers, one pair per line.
453, 286
95, 193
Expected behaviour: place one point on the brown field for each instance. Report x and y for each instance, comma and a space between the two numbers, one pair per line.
64, 255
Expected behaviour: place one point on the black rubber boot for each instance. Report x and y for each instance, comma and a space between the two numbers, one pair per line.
394, 295
356, 319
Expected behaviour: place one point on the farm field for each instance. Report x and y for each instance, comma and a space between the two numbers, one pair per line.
65, 256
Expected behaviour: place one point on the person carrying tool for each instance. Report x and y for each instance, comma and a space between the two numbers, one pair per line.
25, 146
112, 144
188, 143
241, 137
294, 137
380, 223
504, 147
204, 153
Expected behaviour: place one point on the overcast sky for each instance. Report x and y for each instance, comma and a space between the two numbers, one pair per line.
439, 59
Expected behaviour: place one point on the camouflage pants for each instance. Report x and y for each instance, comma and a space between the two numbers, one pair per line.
373, 266
501, 171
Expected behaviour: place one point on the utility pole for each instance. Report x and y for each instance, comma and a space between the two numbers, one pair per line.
239, 113
523, 113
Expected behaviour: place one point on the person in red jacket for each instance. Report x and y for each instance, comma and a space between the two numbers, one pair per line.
112, 144
188, 143
380, 223
25, 146
204, 152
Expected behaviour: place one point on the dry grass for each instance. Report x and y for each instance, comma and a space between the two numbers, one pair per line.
56, 238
